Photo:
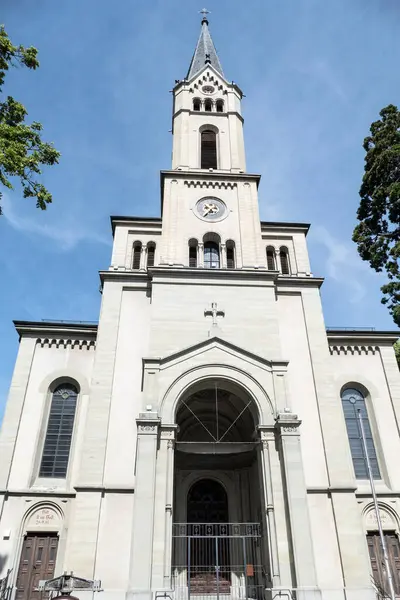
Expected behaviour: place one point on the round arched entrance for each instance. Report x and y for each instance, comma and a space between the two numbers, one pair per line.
217, 492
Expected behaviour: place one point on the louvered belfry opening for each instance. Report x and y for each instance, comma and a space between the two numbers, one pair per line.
151, 253
208, 149
270, 259
193, 255
230, 254
284, 261
60, 425
137, 250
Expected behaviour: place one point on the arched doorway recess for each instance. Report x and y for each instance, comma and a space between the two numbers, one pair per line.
217, 531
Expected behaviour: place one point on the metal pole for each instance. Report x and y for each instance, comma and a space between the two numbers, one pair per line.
376, 505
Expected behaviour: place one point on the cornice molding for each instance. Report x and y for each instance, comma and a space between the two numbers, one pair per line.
72, 332
344, 341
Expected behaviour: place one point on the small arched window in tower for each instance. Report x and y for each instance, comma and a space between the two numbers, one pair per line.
57, 444
151, 253
220, 106
208, 105
193, 253
230, 254
284, 258
211, 255
271, 259
137, 252
196, 104
208, 149
352, 401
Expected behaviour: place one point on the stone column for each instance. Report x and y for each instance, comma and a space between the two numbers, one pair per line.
143, 258
169, 500
201, 254
223, 255
296, 497
162, 538
143, 508
268, 439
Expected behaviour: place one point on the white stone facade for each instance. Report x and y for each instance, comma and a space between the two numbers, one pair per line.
127, 482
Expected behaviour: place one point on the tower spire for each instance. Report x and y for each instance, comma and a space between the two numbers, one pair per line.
205, 52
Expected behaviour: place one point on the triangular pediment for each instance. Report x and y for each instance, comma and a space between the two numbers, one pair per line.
220, 345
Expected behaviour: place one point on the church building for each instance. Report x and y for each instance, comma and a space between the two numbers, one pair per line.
202, 441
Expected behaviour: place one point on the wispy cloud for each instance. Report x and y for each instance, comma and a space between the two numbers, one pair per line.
342, 263
66, 239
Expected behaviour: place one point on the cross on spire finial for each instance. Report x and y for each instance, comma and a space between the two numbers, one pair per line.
204, 12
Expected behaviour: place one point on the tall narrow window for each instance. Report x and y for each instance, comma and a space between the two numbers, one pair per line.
230, 254
57, 443
196, 104
151, 253
271, 259
211, 255
208, 105
192, 253
352, 400
208, 149
284, 258
220, 106
137, 251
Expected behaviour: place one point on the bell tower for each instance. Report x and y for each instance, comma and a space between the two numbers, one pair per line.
207, 120
209, 201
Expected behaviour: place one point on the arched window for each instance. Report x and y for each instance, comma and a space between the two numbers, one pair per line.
137, 251
230, 254
271, 259
208, 149
211, 255
196, 104
151, 253
284, 258
208, 105
352, 400
192, 253
220, 106
60, 425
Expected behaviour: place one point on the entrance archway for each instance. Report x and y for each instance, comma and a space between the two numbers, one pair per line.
217, 526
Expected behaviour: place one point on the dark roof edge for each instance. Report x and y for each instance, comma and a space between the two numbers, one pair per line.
115, 218
26, 327
278, 224
347, 333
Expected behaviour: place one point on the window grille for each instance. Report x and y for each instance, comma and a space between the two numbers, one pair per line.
352, 400
57, 444
211, 255
208, 150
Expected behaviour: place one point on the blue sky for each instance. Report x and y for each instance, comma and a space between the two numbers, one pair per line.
315, 75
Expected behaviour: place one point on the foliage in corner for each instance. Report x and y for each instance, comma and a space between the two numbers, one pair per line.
378, 233
396, 347
22, 151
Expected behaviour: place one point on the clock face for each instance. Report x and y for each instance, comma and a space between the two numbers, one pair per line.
211, 209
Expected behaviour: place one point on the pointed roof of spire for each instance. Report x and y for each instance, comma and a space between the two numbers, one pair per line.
205, 52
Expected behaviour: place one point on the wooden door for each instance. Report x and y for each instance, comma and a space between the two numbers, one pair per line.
377, 560
38, 558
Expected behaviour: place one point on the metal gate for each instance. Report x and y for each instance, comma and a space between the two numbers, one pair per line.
218, 560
